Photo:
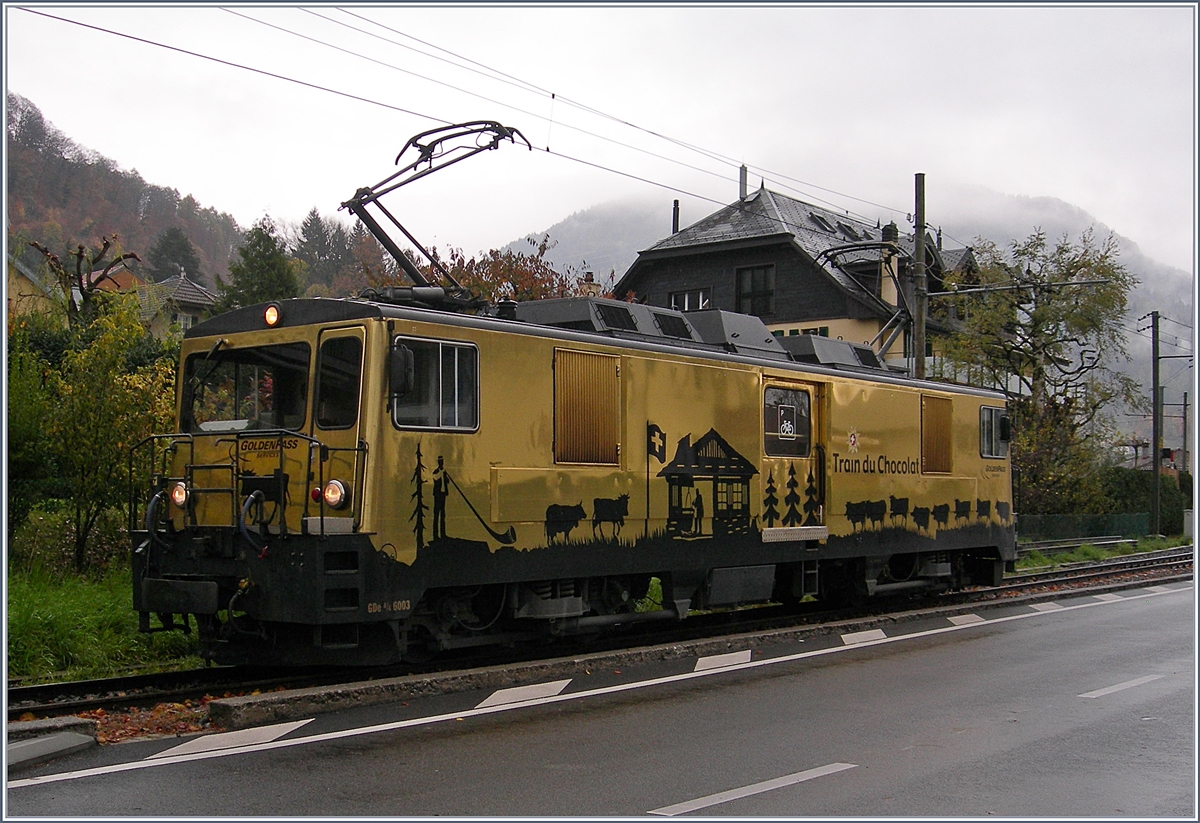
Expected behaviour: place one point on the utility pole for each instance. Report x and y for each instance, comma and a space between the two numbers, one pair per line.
1156, 445
1187, 463
921, 286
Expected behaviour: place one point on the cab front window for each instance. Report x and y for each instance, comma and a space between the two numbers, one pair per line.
236, 389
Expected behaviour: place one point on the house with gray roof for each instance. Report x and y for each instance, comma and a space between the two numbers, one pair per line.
176, 301
801, 268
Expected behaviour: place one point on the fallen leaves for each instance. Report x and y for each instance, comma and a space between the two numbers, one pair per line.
162, 720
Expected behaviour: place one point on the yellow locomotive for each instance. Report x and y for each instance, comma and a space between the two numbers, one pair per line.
365, 480
351, 480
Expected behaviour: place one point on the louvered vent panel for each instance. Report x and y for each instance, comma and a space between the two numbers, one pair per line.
587, 395
936, 414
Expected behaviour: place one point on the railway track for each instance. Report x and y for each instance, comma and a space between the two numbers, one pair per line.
1167, 559
1049, 548
126, 693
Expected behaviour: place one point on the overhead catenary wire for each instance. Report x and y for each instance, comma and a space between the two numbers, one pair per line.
360, 98
554, 97
526, 112
494, 74
231, 64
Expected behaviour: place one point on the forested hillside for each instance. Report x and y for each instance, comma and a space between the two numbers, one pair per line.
62, 194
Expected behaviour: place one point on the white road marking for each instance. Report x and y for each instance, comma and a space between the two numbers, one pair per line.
863, 637
1109, 596
1158, 589
1128, 684
747, 791
521, 694
721, 661
451, 717
1047, 607
233, 740
965, 619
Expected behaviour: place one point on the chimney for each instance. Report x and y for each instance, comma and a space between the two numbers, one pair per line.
675, 219
891, 232
742, 183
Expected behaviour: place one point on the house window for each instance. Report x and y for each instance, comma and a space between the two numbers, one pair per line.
818, 331
822, 222
693, 300
756, 290
445, 389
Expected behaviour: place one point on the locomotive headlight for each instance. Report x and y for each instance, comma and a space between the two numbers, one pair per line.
179, 494
335, 494
271, 314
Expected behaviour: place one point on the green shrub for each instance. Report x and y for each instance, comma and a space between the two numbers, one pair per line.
1132, 490
42, 545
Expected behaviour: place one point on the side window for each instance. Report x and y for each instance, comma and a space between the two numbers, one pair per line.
993, 434
445, 390
339, 371
787, 422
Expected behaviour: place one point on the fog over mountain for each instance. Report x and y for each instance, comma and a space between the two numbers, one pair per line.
606, 238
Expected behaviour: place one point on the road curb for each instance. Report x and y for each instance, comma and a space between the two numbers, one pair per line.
26, 729
34, 750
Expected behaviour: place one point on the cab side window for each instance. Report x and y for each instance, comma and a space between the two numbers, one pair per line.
339, 371
993, 432
445, 387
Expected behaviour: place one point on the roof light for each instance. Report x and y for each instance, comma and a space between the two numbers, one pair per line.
272, 314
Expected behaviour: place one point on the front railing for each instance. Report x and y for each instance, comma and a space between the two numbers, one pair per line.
155, 465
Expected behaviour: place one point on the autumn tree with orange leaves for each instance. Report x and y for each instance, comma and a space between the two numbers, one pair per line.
510, 275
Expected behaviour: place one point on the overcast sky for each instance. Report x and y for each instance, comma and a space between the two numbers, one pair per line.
1095, 105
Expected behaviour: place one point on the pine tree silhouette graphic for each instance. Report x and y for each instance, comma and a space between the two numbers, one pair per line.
812, 506
770, 502
792, 516
418, 515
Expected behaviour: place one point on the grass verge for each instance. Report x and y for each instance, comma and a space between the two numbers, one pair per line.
77, 628
1090, 553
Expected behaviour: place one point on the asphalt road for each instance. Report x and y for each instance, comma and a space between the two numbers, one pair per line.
1084, 707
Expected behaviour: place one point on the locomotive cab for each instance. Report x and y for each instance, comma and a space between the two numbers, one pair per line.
239, 504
